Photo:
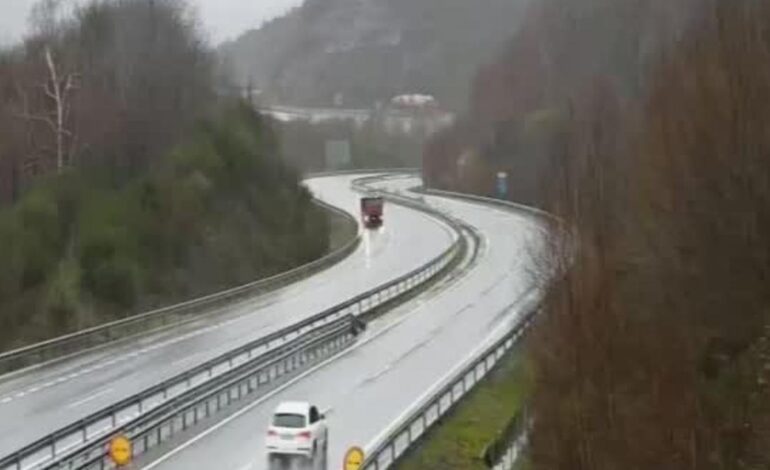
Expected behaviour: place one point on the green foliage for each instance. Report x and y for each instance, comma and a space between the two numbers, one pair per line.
108, 251
458, 441
542, 125
63, 295
39, 235
220, 209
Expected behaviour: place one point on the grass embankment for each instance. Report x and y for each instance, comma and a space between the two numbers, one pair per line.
458, 442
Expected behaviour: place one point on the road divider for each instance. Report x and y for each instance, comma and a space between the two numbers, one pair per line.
153, 416
408, 429
202, 403
154, 321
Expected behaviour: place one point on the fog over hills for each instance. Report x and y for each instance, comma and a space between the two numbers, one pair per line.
364, 51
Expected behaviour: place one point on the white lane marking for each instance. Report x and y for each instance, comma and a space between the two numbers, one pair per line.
439, 383
20, 394
273, 393
6, 400
66, 448
189, 358
39, 462
89, 398
151, 347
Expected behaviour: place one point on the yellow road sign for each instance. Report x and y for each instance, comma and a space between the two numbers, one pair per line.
354, 458
120, 450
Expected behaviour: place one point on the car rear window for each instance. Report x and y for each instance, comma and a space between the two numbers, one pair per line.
289, 421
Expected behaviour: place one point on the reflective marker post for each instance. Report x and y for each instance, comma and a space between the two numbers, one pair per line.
120, 451
354, 458
502, 185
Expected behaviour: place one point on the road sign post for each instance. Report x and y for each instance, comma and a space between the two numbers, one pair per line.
354, 458
502, 185
120, 451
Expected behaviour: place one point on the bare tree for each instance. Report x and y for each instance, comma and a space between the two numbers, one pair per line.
58, 89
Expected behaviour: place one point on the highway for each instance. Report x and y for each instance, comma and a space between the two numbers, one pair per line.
403, 356
38, 401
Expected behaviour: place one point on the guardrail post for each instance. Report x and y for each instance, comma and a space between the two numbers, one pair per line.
289, 362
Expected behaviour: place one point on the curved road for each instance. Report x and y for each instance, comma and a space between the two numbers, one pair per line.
403, 356
39, 401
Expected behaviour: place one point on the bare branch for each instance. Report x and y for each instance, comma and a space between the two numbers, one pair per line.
33, 117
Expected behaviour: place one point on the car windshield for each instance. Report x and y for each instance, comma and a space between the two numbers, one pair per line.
285, 420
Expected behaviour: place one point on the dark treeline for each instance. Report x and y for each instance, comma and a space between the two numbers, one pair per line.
643, 125
124, 182
115, 86
521, 104
654, 349
303, 144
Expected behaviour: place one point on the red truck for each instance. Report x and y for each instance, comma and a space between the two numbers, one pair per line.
371, 211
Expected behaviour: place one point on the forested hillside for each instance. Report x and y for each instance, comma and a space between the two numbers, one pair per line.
372, 50
125, 184
642, 125
522, 102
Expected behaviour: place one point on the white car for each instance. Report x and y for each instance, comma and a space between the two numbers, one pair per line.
297, 436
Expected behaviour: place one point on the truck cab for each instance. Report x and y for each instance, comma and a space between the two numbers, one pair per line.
372, 208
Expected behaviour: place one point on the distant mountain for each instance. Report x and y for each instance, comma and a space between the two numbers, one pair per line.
364, 51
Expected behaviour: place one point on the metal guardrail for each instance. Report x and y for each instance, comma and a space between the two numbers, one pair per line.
503, 452
104, 421
155, 320
413, 427
89, 432
439, 404
201, 403
362, 171
491, 201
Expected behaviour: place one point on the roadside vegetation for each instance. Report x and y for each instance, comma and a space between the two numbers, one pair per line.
645, 126
125, 184
460, 440
304, 144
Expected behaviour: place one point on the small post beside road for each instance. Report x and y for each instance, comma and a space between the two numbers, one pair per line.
502, 185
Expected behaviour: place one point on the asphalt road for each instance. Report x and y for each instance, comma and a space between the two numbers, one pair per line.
42, 400
405, 354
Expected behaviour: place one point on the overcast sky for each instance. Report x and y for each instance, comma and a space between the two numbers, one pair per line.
223, 19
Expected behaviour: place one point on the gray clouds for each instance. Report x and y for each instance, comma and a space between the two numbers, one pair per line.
222, 19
